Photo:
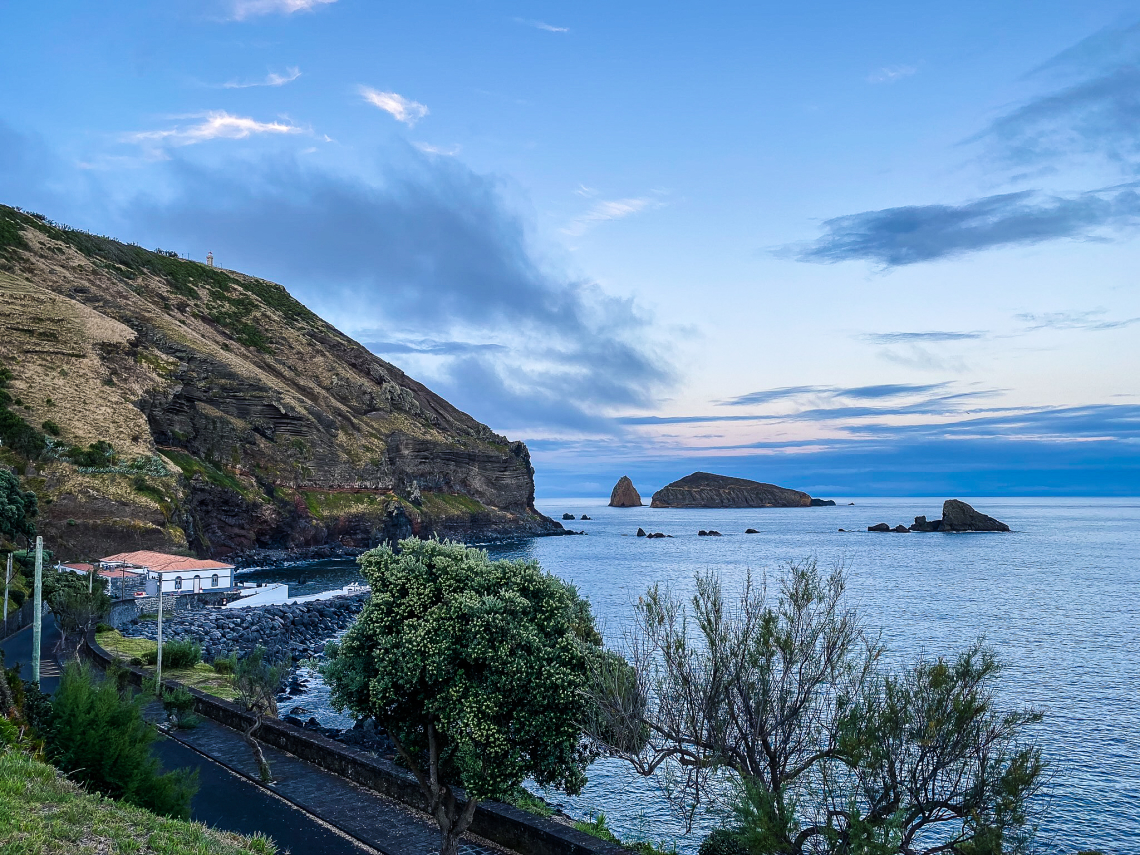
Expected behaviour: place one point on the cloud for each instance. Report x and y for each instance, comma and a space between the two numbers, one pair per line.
542, 25
604, 211
429, 346
1090, 321
429, 252
402, 109
916, 233
271, 79
243, 9
445, 150
885, 390
927, 336
214, 125
891, 74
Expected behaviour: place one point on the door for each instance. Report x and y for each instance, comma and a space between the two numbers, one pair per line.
197, 584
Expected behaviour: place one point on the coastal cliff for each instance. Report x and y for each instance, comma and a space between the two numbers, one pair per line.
165, 404
705, 490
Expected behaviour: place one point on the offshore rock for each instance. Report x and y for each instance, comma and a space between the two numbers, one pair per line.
823, 503
641, 532
624, 494
567, 516
705, 490
958, 516
879, 527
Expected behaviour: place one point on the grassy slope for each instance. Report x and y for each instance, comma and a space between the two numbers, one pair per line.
41, 812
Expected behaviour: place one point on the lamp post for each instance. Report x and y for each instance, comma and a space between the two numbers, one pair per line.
158, 657
7, 581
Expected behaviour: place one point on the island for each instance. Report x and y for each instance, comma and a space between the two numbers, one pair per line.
705, 490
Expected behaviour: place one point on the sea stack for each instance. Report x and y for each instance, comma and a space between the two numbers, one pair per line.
625, 495
705, 490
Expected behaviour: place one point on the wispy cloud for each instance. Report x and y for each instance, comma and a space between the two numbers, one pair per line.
445, 150
891, 73
911, 234
1092, 321
926, 336
876, 392
243, 9
430, 346
604, 211
214, 125
271, 79
402, 109
542, 25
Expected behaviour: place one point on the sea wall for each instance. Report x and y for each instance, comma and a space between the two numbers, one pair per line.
500, 823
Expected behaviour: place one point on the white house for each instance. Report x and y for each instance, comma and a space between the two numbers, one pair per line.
176, 574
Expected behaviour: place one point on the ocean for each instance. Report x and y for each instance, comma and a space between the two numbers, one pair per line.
1058, 598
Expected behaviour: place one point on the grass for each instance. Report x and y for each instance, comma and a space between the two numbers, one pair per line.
449, 504
201, 677
192, 466
42, 813
323, 503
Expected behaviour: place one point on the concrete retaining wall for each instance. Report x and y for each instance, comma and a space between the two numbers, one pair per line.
501, 823
124, 611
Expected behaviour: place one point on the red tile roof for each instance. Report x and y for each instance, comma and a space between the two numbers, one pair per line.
163, 563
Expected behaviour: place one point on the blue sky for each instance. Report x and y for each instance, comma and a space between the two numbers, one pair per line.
876, 248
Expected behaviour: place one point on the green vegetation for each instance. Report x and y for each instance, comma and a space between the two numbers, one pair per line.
524, 799
18, 508
829, 750
201, 676
98, 736
176, 655
76, 610
475, 668
15, 433
322, 503
50, 427
42, 813
449, 504
192, 466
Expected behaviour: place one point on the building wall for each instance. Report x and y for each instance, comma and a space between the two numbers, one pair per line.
170, 581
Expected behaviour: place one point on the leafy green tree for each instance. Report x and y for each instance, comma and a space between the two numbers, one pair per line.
257, 680
76, 609
784, 701
18, 508
98, 736
475, 668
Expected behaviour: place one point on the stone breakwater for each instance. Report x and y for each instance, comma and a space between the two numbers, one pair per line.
293, 630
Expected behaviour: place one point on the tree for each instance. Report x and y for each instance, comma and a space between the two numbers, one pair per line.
76, 609
257, 681
475, 668
98, 736
784, 703
18, 508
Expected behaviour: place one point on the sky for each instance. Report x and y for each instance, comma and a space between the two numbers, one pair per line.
884, 248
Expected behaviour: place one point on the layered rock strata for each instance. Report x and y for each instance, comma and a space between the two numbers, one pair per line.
705, 490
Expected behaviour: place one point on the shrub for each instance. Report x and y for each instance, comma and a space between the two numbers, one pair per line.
99, 737
50, 427
103, 627
179, 707
16, 597
175, 654
723, 841
225, 664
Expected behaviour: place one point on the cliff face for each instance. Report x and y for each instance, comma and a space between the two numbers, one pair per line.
705, 490
233, 417
624, 494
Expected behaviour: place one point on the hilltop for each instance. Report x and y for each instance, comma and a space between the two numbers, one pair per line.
705, 490
159, 403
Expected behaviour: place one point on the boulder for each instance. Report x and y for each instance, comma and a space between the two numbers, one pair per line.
922, 524
702, 533
900, 529
624, 494
567, 516
958, 516
641, 533
879, 527
751, 531
584, 517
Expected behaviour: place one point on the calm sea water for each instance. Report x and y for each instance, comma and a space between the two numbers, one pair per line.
1059, 598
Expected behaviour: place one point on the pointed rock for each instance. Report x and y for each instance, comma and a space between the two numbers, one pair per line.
624, 494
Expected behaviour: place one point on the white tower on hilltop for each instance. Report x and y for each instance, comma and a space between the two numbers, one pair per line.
210, 259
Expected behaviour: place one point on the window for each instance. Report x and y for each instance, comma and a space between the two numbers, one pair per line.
214, 581
178, 583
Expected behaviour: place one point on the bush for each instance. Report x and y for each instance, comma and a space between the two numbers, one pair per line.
179, 707
16, 597
50, 427
723, 841
175, 654
225, 664
103, 627
98, 736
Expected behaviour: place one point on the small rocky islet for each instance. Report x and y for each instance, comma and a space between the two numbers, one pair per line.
957, 516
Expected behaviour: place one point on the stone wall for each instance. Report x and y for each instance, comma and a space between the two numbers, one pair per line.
500, 823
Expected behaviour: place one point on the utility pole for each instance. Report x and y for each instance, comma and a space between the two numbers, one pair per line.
7, 581
158, 658
37, 629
